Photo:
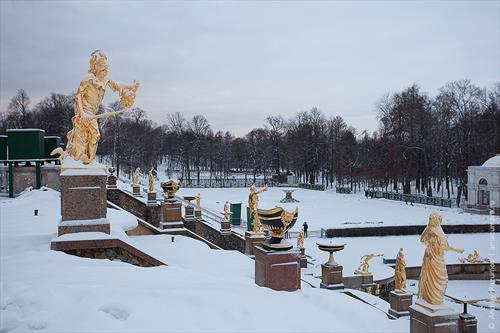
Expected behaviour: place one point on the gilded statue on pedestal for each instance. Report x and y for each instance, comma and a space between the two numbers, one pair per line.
226, 211
300, 240
364, 265
433, 276
135, 178
198, 199
400, 272
151, 179
253, 200
474, 258
84, 137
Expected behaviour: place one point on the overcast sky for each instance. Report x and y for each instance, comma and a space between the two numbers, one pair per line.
237, 62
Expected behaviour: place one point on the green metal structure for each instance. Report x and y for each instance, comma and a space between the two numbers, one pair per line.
236, 213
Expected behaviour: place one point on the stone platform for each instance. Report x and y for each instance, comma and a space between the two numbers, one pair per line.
331, 277
424, 320
400, 303
278, 270
252, 240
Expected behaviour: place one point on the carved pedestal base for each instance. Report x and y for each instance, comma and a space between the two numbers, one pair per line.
467, 323
400, 304
136, 190
83, 202
251, 240
331, 277
151, 198
225, 227
171, 214
423, 320
278, 270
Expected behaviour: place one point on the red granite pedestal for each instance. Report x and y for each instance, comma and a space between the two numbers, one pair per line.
303, 258
253, 239
225, 227
171, 214
400, 303
331, 277
278, 270
197, 213
423, 320
136, 190
151, 198
83, 202
111, 181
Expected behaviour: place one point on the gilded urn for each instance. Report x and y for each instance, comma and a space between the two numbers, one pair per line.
170, 187
278, 221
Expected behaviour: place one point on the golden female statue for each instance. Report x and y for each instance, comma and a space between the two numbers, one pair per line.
136, 176
226, 211
400, 272
151, 179
433, 276
198, 199
253, 200
84, 137
300, 240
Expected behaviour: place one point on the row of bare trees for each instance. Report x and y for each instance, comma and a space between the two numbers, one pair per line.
424, 144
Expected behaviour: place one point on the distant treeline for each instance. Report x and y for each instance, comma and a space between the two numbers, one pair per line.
424, 144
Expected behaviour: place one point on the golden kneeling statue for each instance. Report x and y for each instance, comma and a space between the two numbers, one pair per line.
433, 276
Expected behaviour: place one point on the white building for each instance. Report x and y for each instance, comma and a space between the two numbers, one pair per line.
483, 186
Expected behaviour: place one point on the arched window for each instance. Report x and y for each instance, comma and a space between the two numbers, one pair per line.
483, 181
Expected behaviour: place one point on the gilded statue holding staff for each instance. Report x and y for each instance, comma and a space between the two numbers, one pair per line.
84, 137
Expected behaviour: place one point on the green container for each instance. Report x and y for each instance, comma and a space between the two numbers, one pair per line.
25, 144
236, 213
51, 143
249, 220
3, 147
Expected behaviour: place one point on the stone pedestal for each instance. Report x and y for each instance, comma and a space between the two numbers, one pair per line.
151, 198
331, 277
136, 190
225, 227
424, 320
111, 181
197, 213
83, 202
467, 323
352, 282
303, 258
400, 304
251, 240
171, 214
278, 270
189, 212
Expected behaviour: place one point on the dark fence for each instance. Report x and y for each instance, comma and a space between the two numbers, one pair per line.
343, 190
409, 198
237, 182
314, 187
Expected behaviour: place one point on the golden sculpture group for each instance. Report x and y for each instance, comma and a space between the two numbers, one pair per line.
84, 137
253, 201
433, 276
364, 265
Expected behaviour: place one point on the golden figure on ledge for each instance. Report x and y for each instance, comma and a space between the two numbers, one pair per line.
433, 276
135, 177
84, 137
253, 201
198, 199
151, 179
363, 267
300, 240
226, 211
400, 272
474, 258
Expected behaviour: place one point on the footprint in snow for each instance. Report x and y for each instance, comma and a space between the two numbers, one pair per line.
116, 311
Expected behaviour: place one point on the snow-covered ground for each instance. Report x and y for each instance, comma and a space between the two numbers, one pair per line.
200, 290
333, 210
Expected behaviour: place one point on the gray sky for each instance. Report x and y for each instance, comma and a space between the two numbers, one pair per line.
236, 62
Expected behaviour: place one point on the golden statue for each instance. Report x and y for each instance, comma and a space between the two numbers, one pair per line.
364, 265
226, 211
136, 176
151, 179
433, 276
253, 200
474, 258
84, 137
300, 240
198, 199
400, 272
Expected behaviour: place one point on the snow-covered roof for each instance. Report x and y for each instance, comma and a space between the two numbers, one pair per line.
493, 162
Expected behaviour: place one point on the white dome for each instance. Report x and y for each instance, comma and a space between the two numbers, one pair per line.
493, 162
